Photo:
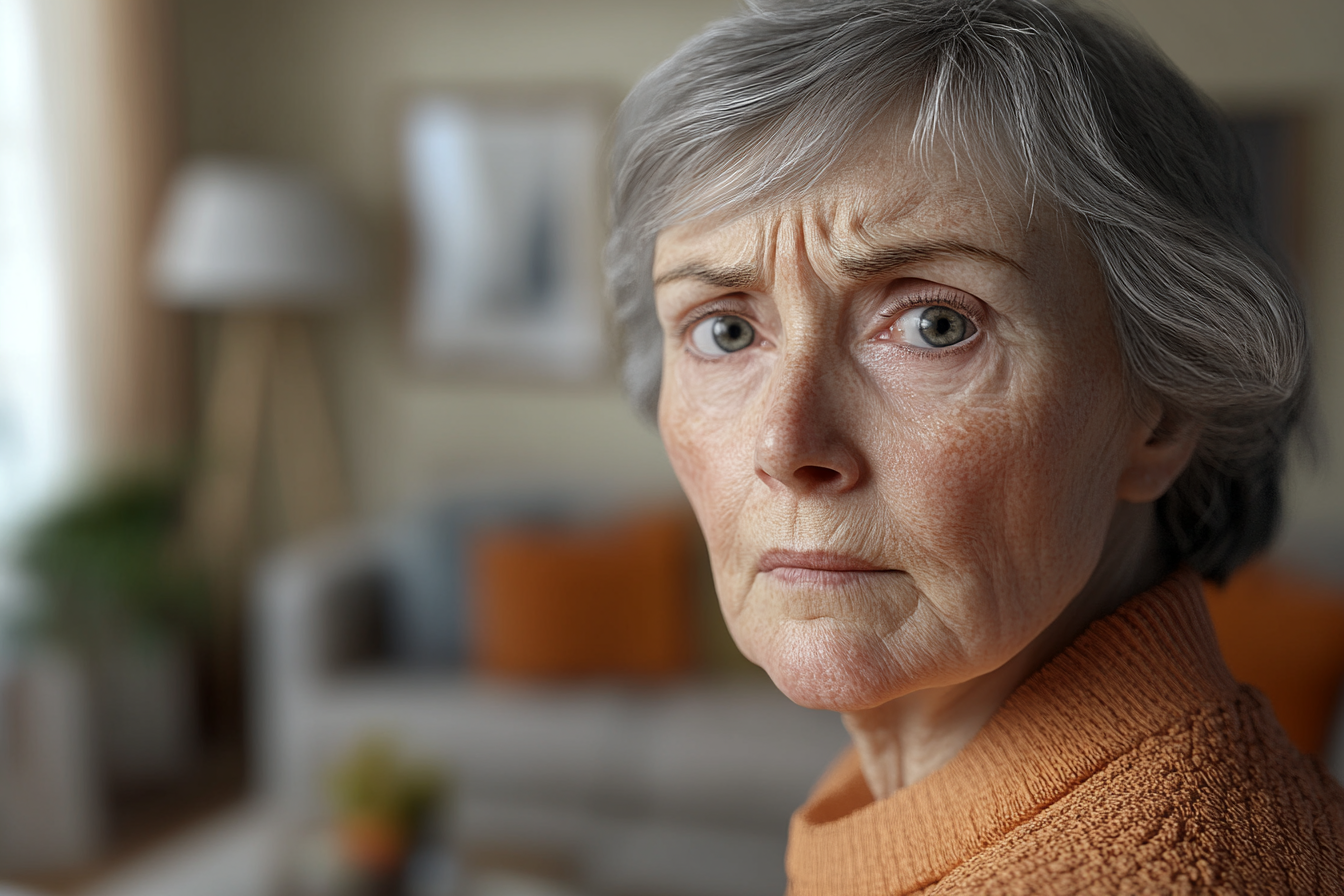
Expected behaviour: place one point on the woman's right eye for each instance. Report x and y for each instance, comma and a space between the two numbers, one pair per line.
722, 334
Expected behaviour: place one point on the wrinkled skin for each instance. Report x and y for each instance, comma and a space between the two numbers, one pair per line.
898, 531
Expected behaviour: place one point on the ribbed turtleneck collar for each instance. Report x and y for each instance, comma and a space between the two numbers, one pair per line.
1135, 672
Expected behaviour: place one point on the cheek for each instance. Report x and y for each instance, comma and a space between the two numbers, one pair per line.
1004, 497
997, 479
702, 417
707, 435
714, 390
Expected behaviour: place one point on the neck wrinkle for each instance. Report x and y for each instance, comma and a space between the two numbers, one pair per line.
1139, 670
908, 738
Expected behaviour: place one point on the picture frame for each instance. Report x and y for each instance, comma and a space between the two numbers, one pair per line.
504, 206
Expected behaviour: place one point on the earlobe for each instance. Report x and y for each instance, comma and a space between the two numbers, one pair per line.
1158, 454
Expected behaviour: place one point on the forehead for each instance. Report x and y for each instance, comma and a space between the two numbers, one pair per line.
881, 195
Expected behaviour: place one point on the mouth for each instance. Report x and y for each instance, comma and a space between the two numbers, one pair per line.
819, 567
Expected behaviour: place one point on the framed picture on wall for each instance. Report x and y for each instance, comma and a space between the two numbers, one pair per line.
504, 200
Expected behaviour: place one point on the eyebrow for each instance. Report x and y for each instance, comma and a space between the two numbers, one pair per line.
731, 277
863, 266
885, 259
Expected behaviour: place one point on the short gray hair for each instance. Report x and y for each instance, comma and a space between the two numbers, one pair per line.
1078, 110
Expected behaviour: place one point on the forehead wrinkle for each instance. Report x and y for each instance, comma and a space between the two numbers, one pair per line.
810, 230
767, 250
867, 209
811, 238
731, 262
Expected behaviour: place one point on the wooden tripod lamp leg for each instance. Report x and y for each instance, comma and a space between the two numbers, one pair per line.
221, 506
302, 437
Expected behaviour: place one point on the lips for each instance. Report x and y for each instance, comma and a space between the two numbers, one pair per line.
827, 560
817, 567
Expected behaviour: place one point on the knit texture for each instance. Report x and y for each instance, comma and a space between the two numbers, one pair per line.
1131, 763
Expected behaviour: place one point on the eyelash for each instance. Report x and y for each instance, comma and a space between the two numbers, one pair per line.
718, 306
945, 298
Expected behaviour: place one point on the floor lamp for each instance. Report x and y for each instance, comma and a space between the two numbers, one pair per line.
264, 248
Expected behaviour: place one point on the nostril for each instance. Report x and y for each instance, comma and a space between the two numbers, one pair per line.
815, 475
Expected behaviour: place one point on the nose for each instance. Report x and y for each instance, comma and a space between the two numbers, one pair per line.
805, 442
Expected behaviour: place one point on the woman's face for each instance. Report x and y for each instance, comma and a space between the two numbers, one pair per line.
897, 407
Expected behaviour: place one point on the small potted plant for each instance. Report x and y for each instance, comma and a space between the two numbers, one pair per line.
386, 813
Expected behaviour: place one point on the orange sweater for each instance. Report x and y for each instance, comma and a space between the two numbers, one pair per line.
1131, 763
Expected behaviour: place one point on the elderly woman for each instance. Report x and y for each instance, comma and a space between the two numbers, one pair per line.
964, 344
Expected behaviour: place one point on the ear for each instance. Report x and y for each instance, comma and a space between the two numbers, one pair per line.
1158, 452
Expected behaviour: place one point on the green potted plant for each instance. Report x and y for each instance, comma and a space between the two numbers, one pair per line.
109, 585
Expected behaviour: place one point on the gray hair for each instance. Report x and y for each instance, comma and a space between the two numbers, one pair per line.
1078, 111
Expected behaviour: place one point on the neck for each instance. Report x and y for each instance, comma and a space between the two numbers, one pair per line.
910, 737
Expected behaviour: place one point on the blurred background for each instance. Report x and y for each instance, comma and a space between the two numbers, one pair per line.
334, 560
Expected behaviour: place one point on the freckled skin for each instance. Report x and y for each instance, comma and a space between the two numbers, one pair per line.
985, 478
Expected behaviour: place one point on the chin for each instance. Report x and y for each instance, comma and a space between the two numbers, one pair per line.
819, 668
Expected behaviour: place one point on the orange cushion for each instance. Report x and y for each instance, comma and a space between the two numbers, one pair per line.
1283, 633
608, 599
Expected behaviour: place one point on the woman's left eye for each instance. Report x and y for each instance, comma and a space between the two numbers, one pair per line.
932, 326
722, 334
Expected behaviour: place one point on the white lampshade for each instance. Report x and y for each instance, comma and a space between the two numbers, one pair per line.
246, 234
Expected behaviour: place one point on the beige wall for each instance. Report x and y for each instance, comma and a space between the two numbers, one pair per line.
321, 82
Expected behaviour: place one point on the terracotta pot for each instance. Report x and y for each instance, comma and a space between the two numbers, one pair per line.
373, 843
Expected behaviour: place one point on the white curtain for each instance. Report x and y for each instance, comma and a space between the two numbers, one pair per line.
37, 438
93, 373
49, 816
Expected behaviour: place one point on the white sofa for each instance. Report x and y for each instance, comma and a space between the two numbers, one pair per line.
679, 789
